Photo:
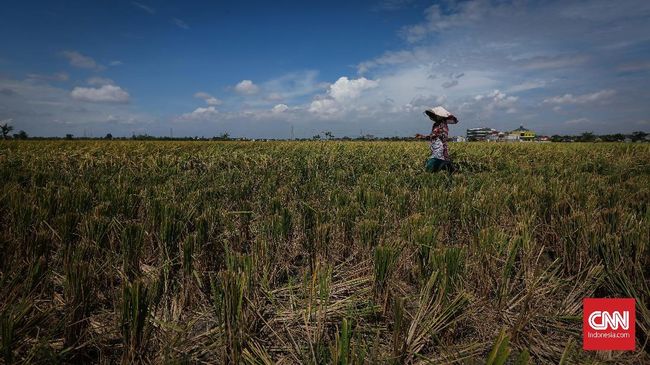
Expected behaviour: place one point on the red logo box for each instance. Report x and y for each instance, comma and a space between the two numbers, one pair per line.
608, 324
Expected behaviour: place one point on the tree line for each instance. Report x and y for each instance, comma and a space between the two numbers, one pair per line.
6, 129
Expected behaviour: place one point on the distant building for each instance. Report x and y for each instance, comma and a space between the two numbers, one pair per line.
479, 134
492, 137
523, 133
458, 139
512, 138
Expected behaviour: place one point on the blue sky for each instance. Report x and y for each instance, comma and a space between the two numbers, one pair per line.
259, 69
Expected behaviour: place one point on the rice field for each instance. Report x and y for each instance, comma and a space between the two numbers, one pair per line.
317, 252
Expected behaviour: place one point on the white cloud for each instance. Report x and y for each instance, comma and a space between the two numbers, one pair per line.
116, 63
179, 23
497, 101
59, 76
42, 109
103, 94
209, 99
391, 5
274, 97
207, 113
461, 13
581, 99
527, 85
541, 63
341, 96
635, 66
293, 86
144, 7
76, 59
280, 108
421, 102
99, 81
449, 84
394, 58
246, 87
345, 88
123, 119
604, 11
323, 106
577, 121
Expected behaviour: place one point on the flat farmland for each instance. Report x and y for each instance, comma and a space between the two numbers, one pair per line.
317, 252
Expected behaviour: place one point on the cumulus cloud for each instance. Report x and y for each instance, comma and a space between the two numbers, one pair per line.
581, 99
549, 53
323, 106
340, 94
209, 99
497, 101
42, 109
79, 60
345, 88
280, 108
200, 114
102, 94
246, 87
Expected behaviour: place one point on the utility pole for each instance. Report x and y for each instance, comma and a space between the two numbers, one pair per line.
292, 136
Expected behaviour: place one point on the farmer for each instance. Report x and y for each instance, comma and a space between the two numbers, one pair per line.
439, 159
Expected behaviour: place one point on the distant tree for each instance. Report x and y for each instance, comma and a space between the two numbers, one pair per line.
639, 136
6, 128
587, 137
108, 136
329, 135
21, 135
316, 137
222, 137
69, 136
556, 138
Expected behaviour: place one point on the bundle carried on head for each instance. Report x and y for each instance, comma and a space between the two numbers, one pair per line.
440, 114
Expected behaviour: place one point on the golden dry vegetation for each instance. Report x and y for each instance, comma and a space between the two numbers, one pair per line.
317, 252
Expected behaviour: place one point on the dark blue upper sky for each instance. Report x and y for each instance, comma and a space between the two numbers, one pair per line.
258, 68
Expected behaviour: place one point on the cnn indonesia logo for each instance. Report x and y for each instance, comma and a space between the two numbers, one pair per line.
608, 324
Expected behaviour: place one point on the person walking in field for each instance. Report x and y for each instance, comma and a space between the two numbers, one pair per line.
439, 159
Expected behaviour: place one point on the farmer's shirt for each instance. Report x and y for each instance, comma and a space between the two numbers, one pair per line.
438, 143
